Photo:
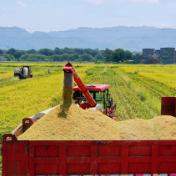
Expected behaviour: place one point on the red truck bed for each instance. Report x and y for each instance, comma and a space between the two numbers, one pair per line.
94, 157
91, 157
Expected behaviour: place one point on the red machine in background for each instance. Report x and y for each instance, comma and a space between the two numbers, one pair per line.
94, 96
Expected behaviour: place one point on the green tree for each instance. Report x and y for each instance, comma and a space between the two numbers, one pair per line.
71, 57
93, 60
40, 57
11, 51
9, 57
56, 58
99, 57
108, 54
128, 55
76, 56
58, 51
32, 51
1, 51
46, 52
78, 51
65, 57
18, 54
86, 57
67, 50
24, 57
93, 53
118, 55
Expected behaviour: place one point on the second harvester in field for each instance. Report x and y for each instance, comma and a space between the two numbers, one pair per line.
23, 72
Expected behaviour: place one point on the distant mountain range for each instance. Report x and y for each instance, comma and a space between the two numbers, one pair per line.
128, 38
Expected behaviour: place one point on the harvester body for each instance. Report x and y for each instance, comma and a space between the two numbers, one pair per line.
94, 96
23, 72
100, 93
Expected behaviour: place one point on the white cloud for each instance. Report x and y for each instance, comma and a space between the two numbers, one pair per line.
141, 1
96, 2
165, 26
22, 4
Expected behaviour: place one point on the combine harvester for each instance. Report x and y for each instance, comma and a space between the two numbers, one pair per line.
23, 72
87, 157
99, 100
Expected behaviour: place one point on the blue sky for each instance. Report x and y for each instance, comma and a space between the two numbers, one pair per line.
58, 15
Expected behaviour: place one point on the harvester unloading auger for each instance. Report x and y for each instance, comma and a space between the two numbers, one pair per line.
97, 95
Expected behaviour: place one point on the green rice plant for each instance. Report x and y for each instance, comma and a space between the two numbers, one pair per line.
88, 74
142, 96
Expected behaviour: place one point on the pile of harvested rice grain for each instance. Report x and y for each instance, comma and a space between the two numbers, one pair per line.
161, 127
69, 122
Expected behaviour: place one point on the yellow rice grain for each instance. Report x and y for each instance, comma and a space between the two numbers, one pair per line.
69, 122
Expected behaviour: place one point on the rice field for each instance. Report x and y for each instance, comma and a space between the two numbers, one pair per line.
24, 98
136, 89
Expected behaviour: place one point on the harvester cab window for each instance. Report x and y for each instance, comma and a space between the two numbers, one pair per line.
97, 96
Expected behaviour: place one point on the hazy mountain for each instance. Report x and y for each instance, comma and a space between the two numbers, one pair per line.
128, 38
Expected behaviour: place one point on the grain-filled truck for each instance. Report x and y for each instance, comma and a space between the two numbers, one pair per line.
87, 157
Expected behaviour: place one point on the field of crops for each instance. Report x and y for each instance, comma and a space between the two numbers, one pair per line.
136, 89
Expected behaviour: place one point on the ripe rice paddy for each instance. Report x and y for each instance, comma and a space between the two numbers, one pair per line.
136, 89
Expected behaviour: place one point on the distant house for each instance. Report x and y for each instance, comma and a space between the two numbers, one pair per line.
3, 58
164, 56
150, 56
168, 55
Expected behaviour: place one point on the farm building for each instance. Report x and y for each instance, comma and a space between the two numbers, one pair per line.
164, 56
167, 55
3, 58
150, 56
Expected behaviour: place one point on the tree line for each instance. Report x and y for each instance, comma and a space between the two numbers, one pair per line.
68, 54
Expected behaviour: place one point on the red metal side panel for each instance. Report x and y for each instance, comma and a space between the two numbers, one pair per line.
168, 106
102, 157
88, 157
14, 157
